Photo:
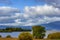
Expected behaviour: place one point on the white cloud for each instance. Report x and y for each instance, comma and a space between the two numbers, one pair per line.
8, 14
42, 10
34, 15
8, 11
41, 14
55, 3
43, 20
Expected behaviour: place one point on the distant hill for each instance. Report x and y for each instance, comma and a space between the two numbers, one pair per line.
52, 25
49, 26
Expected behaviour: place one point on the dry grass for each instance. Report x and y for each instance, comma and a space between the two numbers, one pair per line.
17, 39
38, 39
46, 39
8, 39
14, 39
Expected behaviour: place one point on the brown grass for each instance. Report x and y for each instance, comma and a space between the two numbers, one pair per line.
17, 39
8, 39
14, 39
46, 39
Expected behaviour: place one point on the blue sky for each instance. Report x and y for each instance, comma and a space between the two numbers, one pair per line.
29, 12
21, 3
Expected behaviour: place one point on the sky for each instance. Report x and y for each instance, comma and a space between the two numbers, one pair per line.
29, 12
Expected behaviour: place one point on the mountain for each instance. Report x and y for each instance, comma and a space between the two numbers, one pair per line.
52, 25
49, 26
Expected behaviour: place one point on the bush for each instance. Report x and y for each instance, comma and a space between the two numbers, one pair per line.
0, 36
25, 36
54, 36
8, 36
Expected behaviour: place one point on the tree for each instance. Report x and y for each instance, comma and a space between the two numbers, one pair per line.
38, 32
25, 36
54, 35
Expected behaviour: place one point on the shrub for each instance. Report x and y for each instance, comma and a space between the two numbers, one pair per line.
25, 36
8, 36
54, 36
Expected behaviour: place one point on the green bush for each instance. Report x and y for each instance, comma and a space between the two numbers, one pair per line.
0, 36
8, 36
25, 36
54, 35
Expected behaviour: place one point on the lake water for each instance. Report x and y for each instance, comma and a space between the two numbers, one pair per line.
16, 34
13, 34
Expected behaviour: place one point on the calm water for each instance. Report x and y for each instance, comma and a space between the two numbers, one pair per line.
16, 34
13, 34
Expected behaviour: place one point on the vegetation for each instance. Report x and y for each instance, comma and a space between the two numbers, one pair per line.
54, 35
13, 30
38, 32
8, 36
25, 36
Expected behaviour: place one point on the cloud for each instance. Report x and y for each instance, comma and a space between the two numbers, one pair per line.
8, 14
36, 15
33, 15
42, 10
44, 20
8, 11
55, 3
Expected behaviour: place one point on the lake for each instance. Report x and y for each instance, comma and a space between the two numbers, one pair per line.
13, 34
16, 34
